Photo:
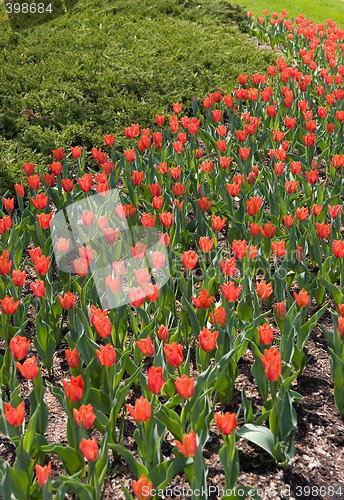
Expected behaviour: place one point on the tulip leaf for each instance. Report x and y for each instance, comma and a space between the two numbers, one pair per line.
259, 435
171, 420
82, 491
73, 460
163, 473
136, 467
335, 293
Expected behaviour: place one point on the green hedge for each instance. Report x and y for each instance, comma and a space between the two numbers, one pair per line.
105, 65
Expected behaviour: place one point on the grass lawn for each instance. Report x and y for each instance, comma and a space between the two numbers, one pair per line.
107, 64
318, 10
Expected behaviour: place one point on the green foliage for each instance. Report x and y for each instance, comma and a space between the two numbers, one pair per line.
101, 67
312, 10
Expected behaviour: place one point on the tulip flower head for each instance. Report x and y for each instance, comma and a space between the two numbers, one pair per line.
18, 346
84, 415
142, 411
89, 448
29, 368
273, 364
189, 446
185, 386
155, 379
142, 489
302, 299
226, 423
74, 389
15, 416
43, 473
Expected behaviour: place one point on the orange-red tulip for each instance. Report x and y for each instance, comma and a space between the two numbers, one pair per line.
273, 364
84, 415
15, 416
74, 389
142, 489
207, 339
90, 449
226, 423
72, 358
174, 354
43, 473
106, 355
155, 379
189, 446
18, 346
302, 299
29, 368
142, 411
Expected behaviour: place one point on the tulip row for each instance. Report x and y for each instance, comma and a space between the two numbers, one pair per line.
248, 249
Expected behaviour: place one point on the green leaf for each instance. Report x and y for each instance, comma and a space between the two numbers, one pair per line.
137, 468
73, 461
259, 435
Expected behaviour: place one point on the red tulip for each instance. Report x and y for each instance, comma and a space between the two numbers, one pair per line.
146, 346
273, 364
338, 248
228, 267
8, 305
226, 423
15, 416
142, 489
219, 315
18, 346
74, 389
189, 446
90, 449
142, 411
163, 333
38, 288
137, 296
253, 205
205, 244
29, 368
281, 310
265, 334
263, 290
76, 152
43, 473
67, 301
174, 354
278, 248
72, 358
84, 415
185, 386
106, 355
207, 340
44, 220
155, 379
230, 292
203, 301
58, 154
239, 248
190, 259
302, 299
